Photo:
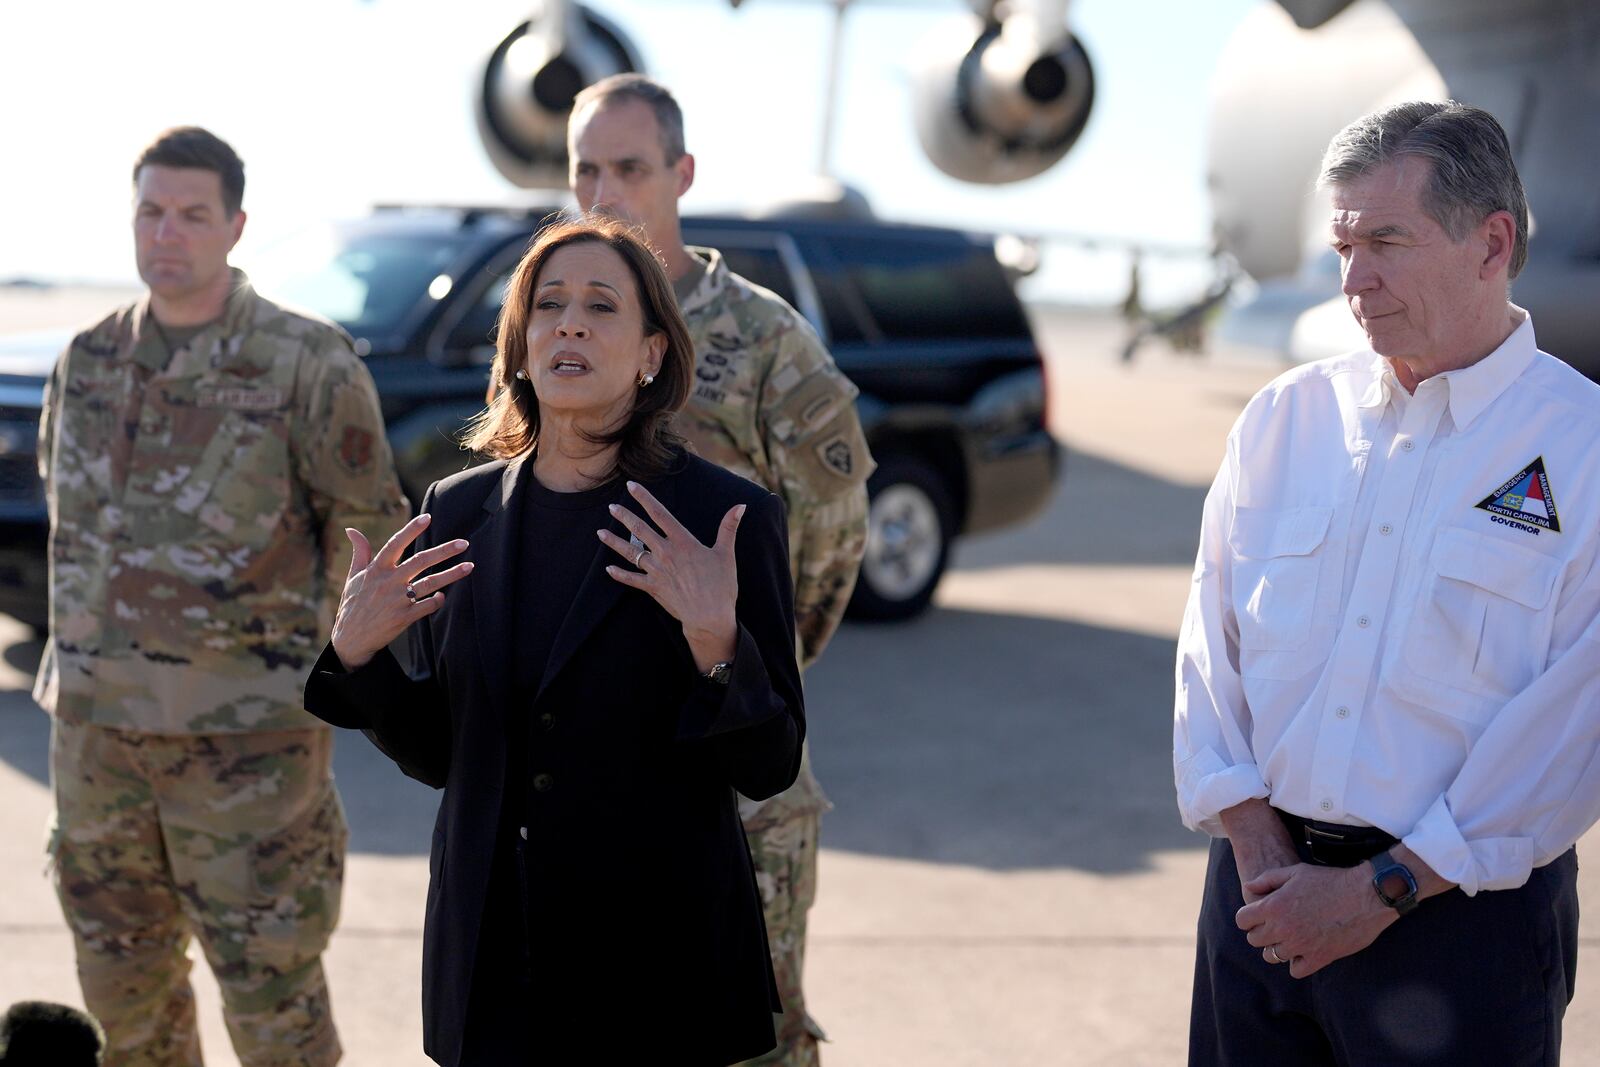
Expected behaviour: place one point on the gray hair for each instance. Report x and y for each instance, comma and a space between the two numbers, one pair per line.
1472, 177
669, 116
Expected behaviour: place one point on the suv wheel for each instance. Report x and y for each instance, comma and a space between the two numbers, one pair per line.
909, 526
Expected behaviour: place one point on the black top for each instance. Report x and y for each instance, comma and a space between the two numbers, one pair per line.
557, 543
556, 546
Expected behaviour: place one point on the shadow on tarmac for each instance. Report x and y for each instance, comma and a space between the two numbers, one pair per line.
389, 814
1101, 512
24, 656
997, 741
1001, 741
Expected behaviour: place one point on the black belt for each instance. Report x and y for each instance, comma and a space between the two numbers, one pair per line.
1328, 844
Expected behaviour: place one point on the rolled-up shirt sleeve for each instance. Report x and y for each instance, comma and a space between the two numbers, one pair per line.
1212, 761
1530, 787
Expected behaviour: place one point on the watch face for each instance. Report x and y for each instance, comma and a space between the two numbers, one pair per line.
1394, 885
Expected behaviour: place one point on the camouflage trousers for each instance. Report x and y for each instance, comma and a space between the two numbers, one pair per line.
236, 838
785, 855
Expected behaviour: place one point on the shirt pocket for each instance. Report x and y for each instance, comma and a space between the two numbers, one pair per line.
239, 486
1276, 575
1481, 629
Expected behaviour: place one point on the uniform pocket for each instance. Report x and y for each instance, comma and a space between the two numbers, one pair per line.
298, 877
239, 486
1482, 625
1275, 574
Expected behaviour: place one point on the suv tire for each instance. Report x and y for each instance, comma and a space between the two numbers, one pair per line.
910, 524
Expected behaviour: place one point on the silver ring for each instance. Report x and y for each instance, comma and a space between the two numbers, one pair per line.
639, 559
1274, 950
411, 592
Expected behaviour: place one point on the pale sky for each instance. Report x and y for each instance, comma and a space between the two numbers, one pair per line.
337, 104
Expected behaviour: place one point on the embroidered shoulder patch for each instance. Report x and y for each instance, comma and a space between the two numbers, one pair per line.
355, 449
1526, 498
837, 455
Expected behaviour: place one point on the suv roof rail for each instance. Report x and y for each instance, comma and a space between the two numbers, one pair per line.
818, 197
471, 214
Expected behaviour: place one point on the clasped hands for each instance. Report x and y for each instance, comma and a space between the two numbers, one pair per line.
1308, 916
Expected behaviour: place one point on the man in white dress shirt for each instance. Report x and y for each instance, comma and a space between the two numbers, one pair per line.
1388, 685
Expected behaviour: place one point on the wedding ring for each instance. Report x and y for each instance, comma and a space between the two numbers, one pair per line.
411, 592
637, 560
1274, 950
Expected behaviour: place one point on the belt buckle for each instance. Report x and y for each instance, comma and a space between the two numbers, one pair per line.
1323, 845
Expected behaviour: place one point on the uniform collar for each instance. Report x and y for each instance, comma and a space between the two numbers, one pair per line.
217, 343
713, 280
1471, 389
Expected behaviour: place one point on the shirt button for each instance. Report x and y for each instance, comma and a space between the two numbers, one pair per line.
1386, 529
523, 830
1363, 622
1408, 445
1327, 805
543, 783
1343, 713
548, 721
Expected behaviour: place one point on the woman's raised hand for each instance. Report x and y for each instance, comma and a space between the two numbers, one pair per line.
697, 584
383, 595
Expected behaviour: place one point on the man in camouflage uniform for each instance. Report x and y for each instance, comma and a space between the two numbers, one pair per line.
768, 404
203, 451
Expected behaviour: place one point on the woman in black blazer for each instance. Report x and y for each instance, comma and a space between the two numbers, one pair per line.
607, 658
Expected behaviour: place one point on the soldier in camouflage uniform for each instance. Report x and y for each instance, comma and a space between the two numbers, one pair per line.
203, 451
770, 405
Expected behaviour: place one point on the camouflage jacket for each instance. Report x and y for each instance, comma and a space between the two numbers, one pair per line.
769, 404
197, 544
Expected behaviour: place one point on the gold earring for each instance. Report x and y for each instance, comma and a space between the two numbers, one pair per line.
645, 379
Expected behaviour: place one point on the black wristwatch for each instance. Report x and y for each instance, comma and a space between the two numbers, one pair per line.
720, 673
1394, 882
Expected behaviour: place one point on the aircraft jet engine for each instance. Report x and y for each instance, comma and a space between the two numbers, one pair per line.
1000, 99
528, 84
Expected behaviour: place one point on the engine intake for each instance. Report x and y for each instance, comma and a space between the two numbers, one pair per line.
530, 80
1000, 100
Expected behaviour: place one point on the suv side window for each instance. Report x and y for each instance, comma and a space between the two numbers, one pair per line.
474, 333
764, 266
848, 321
917, 288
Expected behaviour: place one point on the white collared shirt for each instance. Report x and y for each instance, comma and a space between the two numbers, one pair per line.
1395, 620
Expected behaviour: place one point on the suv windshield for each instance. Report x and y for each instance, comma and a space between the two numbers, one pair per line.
366, 282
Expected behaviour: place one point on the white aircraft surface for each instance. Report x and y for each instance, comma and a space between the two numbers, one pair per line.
1295, 73
1003, 94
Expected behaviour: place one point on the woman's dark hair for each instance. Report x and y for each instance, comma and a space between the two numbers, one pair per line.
509, 426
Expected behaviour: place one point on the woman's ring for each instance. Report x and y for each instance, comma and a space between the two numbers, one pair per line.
1274, 950
411, 592
639, 559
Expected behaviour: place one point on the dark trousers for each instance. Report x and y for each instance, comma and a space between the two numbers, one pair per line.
1460, 981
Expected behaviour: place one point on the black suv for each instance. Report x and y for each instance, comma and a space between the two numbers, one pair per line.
923, 320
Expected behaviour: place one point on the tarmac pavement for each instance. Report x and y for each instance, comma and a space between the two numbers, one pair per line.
1004, 879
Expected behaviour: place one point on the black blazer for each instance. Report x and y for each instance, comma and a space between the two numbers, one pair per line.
645, 906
